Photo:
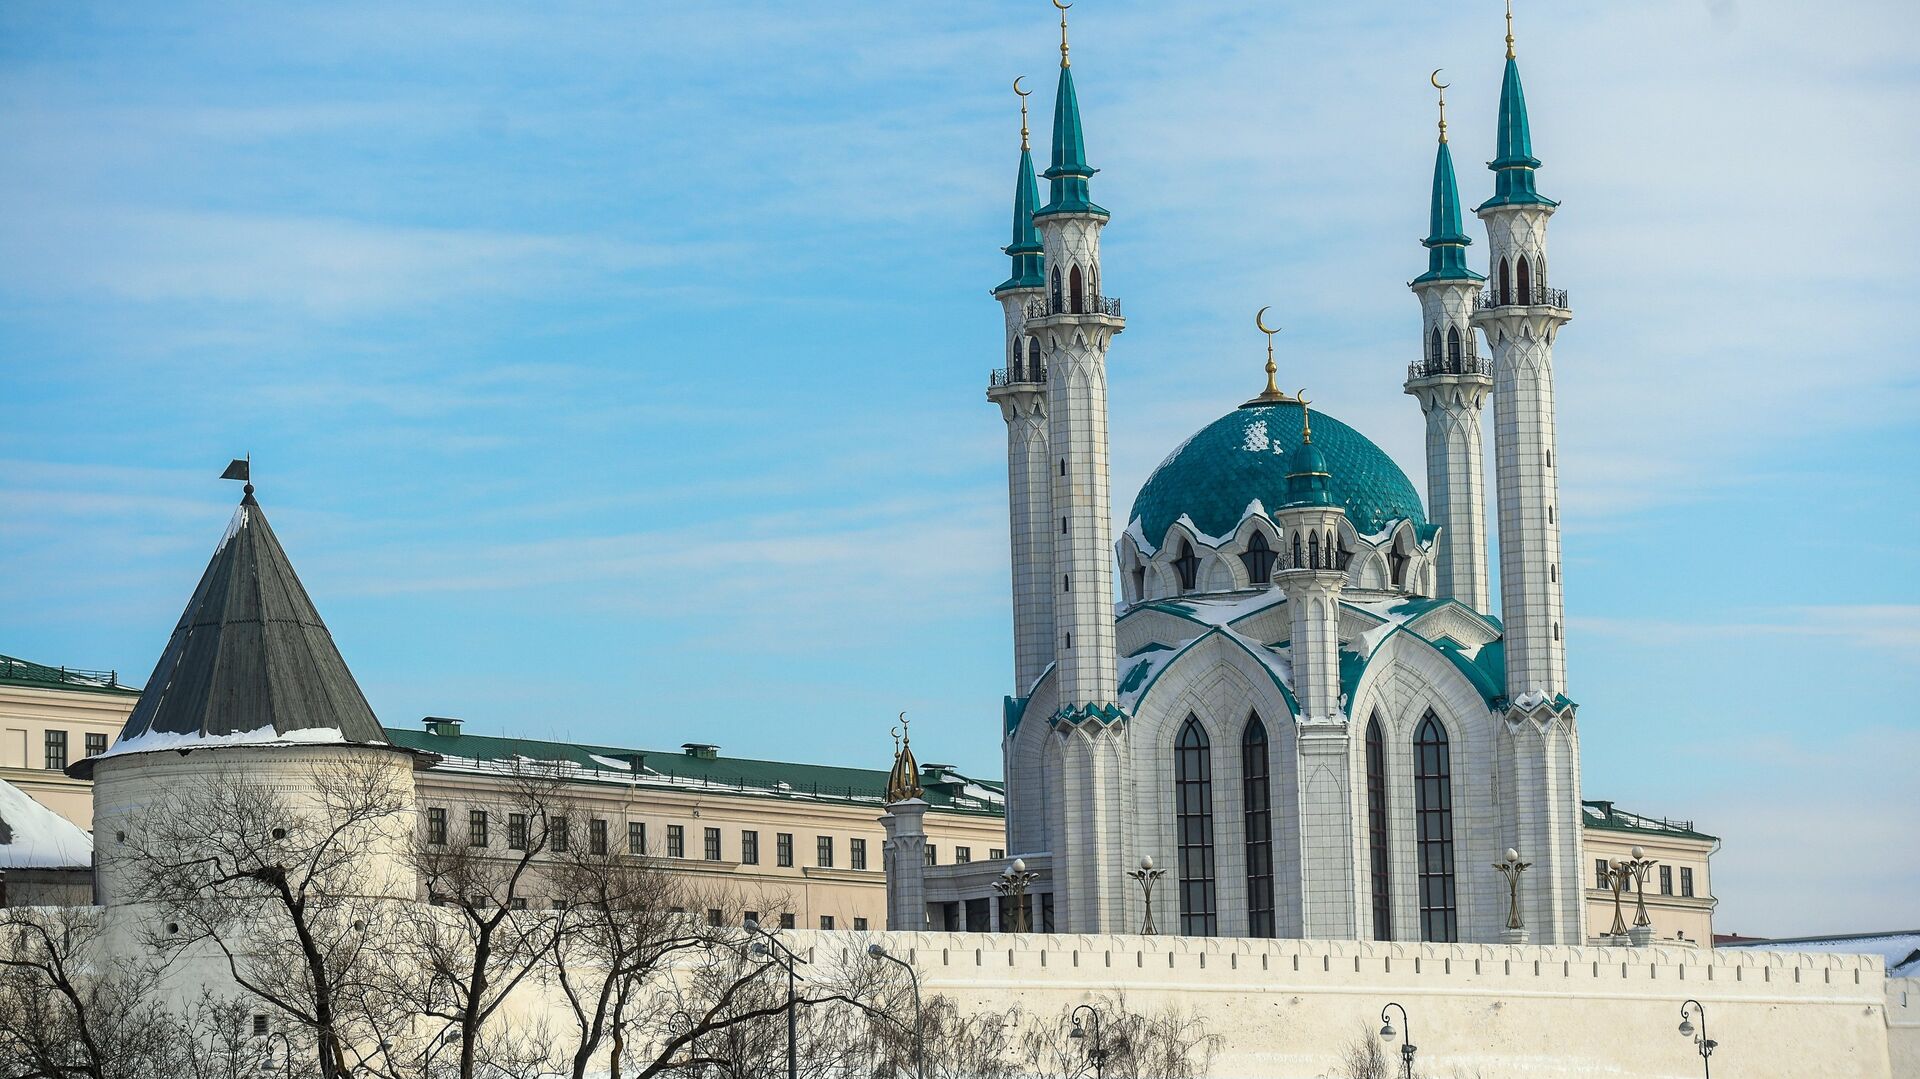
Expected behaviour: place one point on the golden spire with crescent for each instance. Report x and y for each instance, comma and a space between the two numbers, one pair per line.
903, 780
1442, 87
1063, 32
1509, 29
1024, 94
1306, 418
1271, 395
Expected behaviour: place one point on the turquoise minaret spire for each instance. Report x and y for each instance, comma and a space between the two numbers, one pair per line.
1025, 250
1447, 239
1069, 172
1514, 164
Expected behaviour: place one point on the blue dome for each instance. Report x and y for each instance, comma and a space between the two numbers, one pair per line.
1244, 455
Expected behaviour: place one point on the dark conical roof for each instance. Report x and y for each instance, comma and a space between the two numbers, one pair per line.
250, 656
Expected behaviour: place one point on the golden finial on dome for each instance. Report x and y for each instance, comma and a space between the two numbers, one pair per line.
1024, 94
1063, 32
1271, 395
1509, 29
903, 781
1442, 87
1306, 418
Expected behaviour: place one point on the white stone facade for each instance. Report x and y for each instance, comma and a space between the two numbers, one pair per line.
1451, 387
1022, 397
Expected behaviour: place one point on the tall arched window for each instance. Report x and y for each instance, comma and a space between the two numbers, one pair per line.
1075, 290
1313, 550
1526, 282
1139, 583
1505, 294
1033, 359
1187, 566
1377, 831
1193, 828
1453, 349
1433, 816
1056, 290
1258, 558
1297, 564
1257, 804
1433, 347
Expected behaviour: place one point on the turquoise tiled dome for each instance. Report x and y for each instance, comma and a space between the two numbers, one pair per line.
1243, 456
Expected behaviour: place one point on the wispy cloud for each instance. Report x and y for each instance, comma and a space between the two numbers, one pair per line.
1892, 628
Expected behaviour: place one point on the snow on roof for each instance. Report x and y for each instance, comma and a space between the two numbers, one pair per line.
153, 741
1899, 948
37, 837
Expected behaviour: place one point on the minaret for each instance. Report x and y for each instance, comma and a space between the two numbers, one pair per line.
1074, 323
904, 851
1020, 389
1451, 384
1521, 316
1311, 577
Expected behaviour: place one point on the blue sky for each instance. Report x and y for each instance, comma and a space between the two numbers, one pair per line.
615, 372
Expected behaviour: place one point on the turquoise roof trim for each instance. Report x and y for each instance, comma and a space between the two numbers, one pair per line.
1069, 172
1011, 711
1243, 457
1514, 164
1447, 238
1286, 694
1025, 250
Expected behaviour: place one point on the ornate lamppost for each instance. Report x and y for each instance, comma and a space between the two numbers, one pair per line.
1511, 868
1097, 1052
1620, 874
286, 1043
1641, 865
1701, 1042
1147, 876
1406, 1046
766, 949
1013, 884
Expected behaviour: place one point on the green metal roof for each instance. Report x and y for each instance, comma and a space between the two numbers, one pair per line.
1069, 172
1025, 250
20, 672
1514, 164
1243, 456
1447, 238
679, 769
1602, 816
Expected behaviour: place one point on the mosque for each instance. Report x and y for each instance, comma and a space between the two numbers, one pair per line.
1306, 712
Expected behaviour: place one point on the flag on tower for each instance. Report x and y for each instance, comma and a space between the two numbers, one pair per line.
239, 470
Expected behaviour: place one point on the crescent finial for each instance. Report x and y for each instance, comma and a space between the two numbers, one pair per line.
1024, 94
1259, 321
1061, 6
1016, 86
1064, 62
1435, 79
1306, 418
1442, 87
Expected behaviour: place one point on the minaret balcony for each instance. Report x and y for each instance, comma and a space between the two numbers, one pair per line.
1459, 365
1048, 306
1536, 296
1026, 374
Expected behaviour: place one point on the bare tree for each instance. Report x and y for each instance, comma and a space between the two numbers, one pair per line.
458, 959
275, 883
68, 1009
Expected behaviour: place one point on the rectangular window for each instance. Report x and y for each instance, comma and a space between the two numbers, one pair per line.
1686, 881
859, 925
559, 831
259, 1026
979, 916
676, 841
826, 921
597, 835
518, 902
436, 825
962, 855
996, 853
713, 844
750, 847
783, 848
750, 917
857, 853
516, 831
1666, 880
559, 904
56, 750
96, 743
823, 852
933, 854
636, 837
476, 828
786, 921
1600, 873
714, 915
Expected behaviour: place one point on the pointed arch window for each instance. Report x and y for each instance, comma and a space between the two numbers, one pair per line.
1076, 291
1433, 347
1258, 558
1313, 550
1257, 803
1453, 349
1139, 583
1397, 565
1187, 566
1193, 830
1433, 820
1525, 281
1505, 293
1297, 563
1056, 290
1377, 831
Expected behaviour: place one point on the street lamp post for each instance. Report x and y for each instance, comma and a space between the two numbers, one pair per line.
919, 1062
1641, 864
1096, 1053
1621, 874
1701, 1042
286, 1043
1013, 884
766, 948
1146, 876
1511, 869
1406, 1046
